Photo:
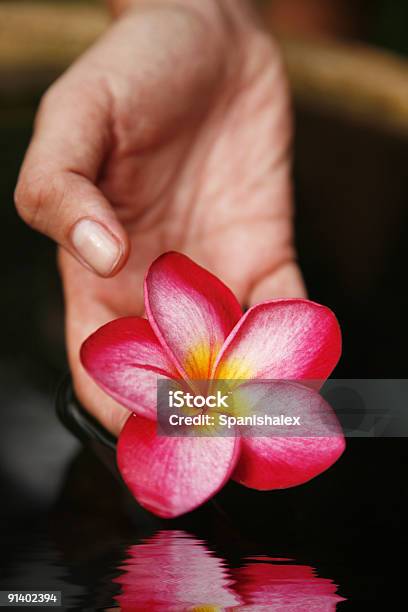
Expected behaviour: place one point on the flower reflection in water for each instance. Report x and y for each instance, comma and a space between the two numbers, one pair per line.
173, 571
284, 587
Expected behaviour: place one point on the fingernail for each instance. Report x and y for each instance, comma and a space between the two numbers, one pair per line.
96, 246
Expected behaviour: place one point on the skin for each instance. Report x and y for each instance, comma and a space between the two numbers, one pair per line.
173, 131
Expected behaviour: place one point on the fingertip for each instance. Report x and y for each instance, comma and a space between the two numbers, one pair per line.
98, 247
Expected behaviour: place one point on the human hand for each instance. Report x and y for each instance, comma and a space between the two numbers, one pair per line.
171, 133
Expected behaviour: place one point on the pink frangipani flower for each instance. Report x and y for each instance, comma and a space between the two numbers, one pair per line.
195, 330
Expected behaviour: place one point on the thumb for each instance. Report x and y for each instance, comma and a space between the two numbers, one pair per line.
56, 192
284, 282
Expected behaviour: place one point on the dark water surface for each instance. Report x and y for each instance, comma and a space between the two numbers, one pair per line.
171, 570
296, 550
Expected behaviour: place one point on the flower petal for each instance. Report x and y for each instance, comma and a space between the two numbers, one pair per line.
173, 475
287, 339
288, 455
191, 311
125, 358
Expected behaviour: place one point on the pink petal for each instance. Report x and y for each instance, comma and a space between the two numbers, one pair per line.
125, 358
286, 456
288, 339
284, 587
191, 311
174, 571
173, 475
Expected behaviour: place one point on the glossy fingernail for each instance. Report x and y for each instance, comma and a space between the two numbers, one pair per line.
96, 246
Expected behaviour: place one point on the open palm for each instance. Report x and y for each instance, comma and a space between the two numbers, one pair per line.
173, 131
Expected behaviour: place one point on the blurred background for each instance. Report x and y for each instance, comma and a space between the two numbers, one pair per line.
349, 76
